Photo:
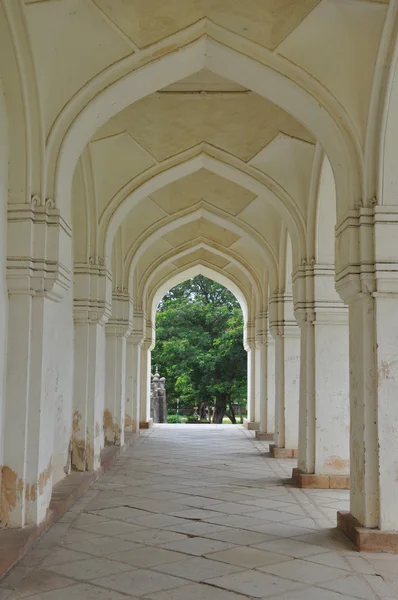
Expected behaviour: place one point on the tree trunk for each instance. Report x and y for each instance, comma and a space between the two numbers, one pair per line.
231, 413
220, 408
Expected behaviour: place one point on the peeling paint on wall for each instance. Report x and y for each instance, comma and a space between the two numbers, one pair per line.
129, 423
385, 371
14, 491
11, 493
336, 463
111, 430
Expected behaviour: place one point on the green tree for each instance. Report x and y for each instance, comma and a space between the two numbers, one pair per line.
199, 346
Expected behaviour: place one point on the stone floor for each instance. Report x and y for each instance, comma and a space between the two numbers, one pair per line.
200, 513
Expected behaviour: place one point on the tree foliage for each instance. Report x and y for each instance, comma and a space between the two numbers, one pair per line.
199, 344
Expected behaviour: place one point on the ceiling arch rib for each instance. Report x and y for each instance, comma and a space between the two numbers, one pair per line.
153, 273
288, 210
231, 224
291, 95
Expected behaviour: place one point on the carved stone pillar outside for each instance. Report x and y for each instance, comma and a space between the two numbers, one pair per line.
158, 398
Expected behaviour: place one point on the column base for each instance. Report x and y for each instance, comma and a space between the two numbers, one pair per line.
146, 424
320, 482
282, 452
251, 425
263, 436
15, 542
365, 539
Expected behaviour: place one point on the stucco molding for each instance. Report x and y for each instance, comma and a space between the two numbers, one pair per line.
39, 242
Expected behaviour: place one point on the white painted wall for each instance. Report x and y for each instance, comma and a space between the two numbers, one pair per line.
3, 255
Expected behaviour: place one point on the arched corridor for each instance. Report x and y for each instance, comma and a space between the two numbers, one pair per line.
201, 512
143, 143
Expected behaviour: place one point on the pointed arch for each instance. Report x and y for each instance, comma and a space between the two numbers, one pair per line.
257, 69
142, 244
154, 180
178, 253
199, 268
387, 193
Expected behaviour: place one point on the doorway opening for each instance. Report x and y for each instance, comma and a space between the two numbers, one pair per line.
199, 359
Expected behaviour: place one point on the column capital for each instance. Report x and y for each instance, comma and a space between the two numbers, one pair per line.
249, 335
92, 292
120, 322
147, 344
138, 330
261, 327
39, 250
366, 256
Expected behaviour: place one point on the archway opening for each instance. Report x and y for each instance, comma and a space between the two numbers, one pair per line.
199, 358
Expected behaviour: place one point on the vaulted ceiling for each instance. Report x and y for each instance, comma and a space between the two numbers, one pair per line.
329, 43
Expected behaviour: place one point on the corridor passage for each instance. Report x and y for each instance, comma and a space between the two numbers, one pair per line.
200, 513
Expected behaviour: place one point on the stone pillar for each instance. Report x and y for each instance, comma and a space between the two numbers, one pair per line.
133, 372
133, 381
158, 398
38, 274
265, 432
145, 404
270, 384
92, 308
323, 458
371, 291
261, 385
287, 377
117, 329
249, 343
250, 422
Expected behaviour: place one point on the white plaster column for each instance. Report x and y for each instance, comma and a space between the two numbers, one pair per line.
145, 385
92, 308
117, 329
291, 342
251, 386
261, 385
270, 384
287, 377
249, 342
324, 402
133, 372
324, 419
89, 396
261, 413
371, 291
133, 384
38, 274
